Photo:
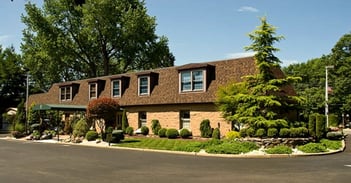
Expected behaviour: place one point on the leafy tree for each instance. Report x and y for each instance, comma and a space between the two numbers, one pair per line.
261, 100
104, 110
75, 40
12, 79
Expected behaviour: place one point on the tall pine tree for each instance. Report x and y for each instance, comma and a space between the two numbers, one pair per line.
265, 99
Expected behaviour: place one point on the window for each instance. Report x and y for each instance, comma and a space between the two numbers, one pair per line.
192, 80
184, 119
143, 85
66, 93
92, 90
142, 119
116, 88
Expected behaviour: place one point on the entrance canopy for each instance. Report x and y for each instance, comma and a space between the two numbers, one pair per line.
59, 107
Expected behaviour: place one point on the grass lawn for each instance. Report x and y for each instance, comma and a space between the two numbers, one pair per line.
188, 145
218, 146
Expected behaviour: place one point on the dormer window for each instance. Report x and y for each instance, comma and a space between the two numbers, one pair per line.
147, 82
143, 83
92, 90
116, 88
66, 93
192, 80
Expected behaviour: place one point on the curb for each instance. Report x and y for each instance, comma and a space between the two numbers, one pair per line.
203, 154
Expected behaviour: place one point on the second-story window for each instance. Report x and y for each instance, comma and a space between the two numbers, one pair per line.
66, 93
192, 80
143, 85
92, 90
116, 88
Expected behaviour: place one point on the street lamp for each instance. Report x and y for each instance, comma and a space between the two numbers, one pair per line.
326, 93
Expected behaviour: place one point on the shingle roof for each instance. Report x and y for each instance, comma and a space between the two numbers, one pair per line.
166, 89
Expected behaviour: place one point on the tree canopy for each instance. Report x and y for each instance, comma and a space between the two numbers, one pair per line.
312, 86
12, 79
68, 40
260, 100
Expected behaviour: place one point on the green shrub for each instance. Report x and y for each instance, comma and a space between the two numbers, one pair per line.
250, 132
81, 128
117, 136
298, 132
162, 132
129, 130
232, 135
333, 120
216, 134
20, 127
91, 135
184, 133
125, 123
172, 133
260, 133
284, 132
232, 147
312, 125
205, 129
144, 130
280, 149
335, 135
320, 126
36, 134
312, 148
243, 132
331, 144
272, 132
17, 134
155, 126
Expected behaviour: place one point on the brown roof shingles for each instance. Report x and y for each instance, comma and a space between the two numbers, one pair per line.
166, 90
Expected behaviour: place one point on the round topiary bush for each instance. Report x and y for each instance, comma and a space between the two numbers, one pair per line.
243, 132
233, 135
172, 133
129, 130
284, 132
260, 133
144, 130
250, 132
184, 133
272, 132
162, 132
91, 135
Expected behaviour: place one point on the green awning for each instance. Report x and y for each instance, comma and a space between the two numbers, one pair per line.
60, 107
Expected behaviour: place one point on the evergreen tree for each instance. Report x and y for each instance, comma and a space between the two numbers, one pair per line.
262, 100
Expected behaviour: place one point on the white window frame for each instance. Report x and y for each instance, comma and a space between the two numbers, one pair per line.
148, 85
184, 122
65, 98
192, 80
113, 88
142, 121
96, 91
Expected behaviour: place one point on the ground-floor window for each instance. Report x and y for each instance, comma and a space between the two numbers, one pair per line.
142, 119
184, 119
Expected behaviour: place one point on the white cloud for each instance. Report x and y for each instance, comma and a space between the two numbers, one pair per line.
247, 9
240, 55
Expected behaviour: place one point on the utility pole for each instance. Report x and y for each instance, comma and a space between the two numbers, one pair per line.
326, 94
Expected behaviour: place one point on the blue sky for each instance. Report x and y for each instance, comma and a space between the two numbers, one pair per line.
208, 30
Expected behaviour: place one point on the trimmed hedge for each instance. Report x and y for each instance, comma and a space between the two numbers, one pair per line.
233, 135
272, 132
284, 132
205, 129
184, 133
260, 133
91, 135
280, 149
172, 133
216, 134
144, 130
162, 132
155, 126
130, 130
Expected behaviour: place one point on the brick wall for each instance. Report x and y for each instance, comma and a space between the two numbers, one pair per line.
168, 116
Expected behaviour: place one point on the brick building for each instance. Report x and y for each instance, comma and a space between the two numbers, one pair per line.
179, 97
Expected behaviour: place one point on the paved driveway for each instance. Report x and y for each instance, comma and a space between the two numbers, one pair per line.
22, 161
